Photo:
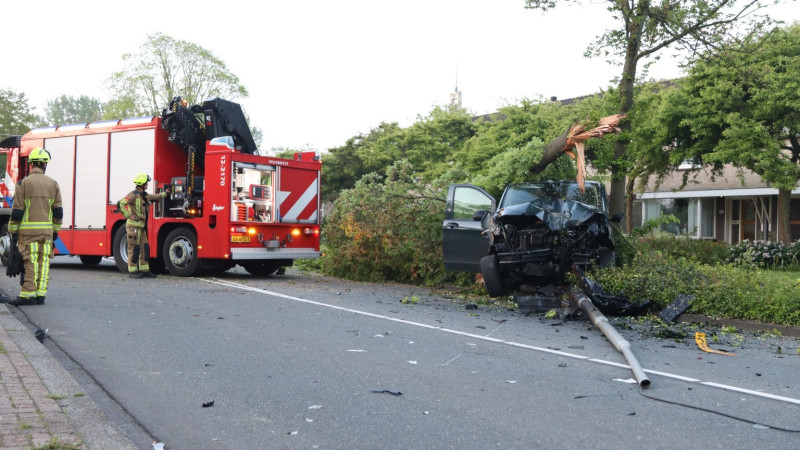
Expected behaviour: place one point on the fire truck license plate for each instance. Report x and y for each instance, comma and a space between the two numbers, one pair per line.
240, 238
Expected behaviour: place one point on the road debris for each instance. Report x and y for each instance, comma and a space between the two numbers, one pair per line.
209, 404
676, 308
386, 391
601, 322
700, 338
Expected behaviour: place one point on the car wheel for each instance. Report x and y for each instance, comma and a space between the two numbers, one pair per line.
180, 252
90, 260
491, 276
120, 248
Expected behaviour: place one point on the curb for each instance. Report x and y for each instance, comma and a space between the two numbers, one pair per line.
68, 400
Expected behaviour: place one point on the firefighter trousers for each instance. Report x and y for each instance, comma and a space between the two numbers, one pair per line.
138, 249
36, 252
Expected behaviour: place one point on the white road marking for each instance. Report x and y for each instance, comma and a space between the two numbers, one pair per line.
511, 343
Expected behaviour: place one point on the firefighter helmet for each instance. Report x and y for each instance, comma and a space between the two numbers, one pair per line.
141, 179
39, 156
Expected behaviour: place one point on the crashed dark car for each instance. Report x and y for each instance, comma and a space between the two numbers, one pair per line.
532, 237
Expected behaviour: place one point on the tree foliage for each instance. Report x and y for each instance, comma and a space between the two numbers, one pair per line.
16, 116
428, 144
646, 29
67, 109
163, 68
741, 107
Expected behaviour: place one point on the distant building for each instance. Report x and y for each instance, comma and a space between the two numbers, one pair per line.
455, 98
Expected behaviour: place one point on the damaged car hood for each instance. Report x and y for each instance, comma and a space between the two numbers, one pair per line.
557, 214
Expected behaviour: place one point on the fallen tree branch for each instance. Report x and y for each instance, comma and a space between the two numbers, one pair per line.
574, 138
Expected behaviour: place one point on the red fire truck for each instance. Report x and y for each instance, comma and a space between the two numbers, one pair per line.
227, 205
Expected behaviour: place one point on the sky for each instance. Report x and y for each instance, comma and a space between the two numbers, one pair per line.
319, 71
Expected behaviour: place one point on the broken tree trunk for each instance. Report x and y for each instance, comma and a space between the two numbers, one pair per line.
574, 138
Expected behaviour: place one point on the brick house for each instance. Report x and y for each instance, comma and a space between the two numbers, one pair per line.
735, 206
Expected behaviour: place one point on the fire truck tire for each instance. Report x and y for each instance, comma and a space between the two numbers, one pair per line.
261, 268
180, 252
90, 260
5, 245
120, 248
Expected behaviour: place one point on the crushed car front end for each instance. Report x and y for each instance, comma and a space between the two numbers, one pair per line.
540, 230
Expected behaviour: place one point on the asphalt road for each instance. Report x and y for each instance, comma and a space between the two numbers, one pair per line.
303, 361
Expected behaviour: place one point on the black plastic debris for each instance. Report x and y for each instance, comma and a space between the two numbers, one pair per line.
386, 391
676, 308
209, 404
40, 334
615, 305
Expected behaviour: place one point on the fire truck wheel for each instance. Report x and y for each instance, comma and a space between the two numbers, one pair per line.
120, 248
180, 255
261, 268
5, 245
90, 260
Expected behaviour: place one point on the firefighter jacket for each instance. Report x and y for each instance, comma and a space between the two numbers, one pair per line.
37, 209
134, 207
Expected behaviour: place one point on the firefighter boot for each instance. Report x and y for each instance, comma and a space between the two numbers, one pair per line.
137, 275
23, 301
40, 299
149, 274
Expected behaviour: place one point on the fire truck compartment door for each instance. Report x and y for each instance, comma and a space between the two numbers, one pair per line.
298, 195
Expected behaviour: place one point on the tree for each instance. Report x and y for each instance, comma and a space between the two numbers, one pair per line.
648, 28
67, 109
164, 68
428, 144
512, 127
16, 116
742, 107
344, 166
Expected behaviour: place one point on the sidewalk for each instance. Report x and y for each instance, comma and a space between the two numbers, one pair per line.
40, 402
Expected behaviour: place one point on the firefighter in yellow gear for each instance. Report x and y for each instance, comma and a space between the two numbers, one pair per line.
135, 207
36, 216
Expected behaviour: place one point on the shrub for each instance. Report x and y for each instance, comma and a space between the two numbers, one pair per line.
698, 250
765, 254
654, 276
720, 290
387, 230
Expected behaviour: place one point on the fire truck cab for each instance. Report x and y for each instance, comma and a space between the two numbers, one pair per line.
227, 205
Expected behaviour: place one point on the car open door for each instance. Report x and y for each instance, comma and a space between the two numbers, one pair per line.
463, 243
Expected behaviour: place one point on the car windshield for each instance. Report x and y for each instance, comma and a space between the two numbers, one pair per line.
523, 193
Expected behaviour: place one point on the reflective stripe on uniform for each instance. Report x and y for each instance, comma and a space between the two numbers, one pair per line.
41, 289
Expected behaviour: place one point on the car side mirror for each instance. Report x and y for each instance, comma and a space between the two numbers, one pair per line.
617, 217
479, 214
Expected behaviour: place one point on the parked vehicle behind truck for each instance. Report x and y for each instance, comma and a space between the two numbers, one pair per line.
227, 204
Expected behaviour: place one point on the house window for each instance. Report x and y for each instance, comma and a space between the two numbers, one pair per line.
695, 216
